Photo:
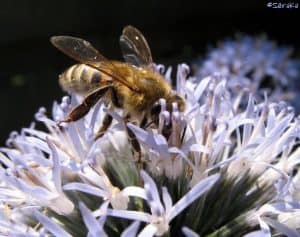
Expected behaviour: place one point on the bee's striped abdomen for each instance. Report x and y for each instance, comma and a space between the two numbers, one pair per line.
82, 79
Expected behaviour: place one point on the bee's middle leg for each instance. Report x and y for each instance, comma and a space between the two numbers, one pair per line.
134, 142
136, 146
107, 120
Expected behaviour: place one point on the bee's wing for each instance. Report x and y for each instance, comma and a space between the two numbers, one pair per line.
78, 49
83, 51
134, 47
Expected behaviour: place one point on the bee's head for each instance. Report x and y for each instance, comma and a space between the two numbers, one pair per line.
173, 98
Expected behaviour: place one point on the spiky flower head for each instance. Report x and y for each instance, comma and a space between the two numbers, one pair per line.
256, 64
226, 169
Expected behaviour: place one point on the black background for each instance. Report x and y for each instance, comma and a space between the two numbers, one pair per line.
177, 31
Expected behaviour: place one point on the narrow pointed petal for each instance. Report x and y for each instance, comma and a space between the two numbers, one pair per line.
198, 190
50, 225
149, 231
131, 230
189, 233
90, 221
282, 228
86, 188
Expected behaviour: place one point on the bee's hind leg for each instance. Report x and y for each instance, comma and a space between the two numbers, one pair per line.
82, 109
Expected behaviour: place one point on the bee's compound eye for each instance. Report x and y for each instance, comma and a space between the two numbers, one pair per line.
156, 108
180, 102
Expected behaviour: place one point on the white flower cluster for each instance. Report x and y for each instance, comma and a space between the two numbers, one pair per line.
228, 168
253, 64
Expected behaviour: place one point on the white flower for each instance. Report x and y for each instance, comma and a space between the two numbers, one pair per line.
162, 213
255, 64
226, 166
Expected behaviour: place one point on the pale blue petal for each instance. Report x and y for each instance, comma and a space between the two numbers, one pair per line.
56, 171
76, 143
282, 228
131, 215
86, 188
152, 193
34, 142
198, 190
142, 135
90, 221
189, 233
50, 225
199, 148
175, 150
94, 117
36, 133
35, 191
258, 233
167, 199
5, 161
152, 141
148, 231
134, 191
202, 87
11, 234
131, 230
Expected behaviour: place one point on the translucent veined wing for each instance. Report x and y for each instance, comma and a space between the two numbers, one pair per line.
134, 47
83, 51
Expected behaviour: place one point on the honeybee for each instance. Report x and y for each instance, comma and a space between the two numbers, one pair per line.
133, 86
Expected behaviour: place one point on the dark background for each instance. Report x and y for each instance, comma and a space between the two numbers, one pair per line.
177, 31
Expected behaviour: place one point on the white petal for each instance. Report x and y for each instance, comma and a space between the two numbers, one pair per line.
175, 150
34, 132
90, 221
61, 205
35, 142
199, 148
86, 188
199, 189
37, 192
76, 142
152, 141
142, 135
95, 114
258, 233
5, 161
131, 215
167, 199
131, 230
56, 176
282, 228
290, 219
135, 192
202, 87
50, 225
189, 233
152, 193
148, 231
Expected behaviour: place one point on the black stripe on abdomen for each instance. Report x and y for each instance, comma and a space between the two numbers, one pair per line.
96, 77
